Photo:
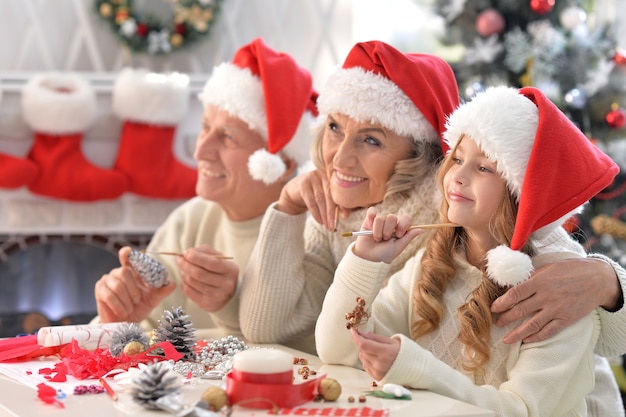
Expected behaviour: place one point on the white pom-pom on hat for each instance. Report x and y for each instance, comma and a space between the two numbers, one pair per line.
508, 267
265, 166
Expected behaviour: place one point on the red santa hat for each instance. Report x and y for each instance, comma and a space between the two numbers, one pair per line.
549, 165
274, 95
411, 94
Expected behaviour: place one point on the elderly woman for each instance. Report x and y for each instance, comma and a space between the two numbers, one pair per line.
378, 143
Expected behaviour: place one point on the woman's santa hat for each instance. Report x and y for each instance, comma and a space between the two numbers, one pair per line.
549, 165
411, 94
274, 95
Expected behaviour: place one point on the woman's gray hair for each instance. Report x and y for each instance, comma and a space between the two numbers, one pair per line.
422, 162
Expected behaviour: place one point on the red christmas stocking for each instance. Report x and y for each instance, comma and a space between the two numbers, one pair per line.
16, 172
151, 106
59, 107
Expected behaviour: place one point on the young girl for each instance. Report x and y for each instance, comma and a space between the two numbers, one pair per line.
517, 169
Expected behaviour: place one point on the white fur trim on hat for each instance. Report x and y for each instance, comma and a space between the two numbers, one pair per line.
506, 137
372, 98
58, 103
151, 98
240, 93
508, 267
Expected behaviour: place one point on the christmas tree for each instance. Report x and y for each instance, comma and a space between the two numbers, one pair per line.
558, 47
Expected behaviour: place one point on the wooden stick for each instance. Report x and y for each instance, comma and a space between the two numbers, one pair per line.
415, 226
180, 254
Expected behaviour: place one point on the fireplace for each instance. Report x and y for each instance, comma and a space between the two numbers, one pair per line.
52, 251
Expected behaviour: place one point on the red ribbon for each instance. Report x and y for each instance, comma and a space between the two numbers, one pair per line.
260, 395
255, 378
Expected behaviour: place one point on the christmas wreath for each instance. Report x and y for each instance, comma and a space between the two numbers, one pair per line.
191, 21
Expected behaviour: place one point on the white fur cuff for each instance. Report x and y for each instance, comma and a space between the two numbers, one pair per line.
58, 103
151, 98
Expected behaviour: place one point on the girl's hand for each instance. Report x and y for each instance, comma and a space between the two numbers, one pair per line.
390, 236
377, 353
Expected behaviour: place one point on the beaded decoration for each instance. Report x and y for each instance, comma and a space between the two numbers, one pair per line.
357, 316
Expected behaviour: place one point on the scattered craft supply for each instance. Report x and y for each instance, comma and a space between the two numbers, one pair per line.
176, 327
397, 391
357, 316
415, 226
130, 339
156, 381
329, 389
151, 271
108, 389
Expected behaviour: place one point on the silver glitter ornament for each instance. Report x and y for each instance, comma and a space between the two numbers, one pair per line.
151, 271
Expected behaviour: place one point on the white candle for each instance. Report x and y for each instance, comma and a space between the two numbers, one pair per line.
263, 361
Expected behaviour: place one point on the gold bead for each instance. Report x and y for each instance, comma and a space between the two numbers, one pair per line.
215, 397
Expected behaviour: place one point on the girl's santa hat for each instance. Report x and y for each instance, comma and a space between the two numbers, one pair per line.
411, 94
549, 165
274, 95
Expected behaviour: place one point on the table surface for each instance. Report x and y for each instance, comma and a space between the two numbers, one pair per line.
20, 400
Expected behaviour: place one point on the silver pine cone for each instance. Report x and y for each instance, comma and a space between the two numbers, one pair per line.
151, 271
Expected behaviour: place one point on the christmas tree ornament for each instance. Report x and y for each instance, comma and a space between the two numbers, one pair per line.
489, 22
571, 17
576, 98
151, 105
216, 398
149, 269
329, 389
619, 57
604, 224
542, 6
59, 108
358, 316
616, 118
176, 327
154, 383
129, 339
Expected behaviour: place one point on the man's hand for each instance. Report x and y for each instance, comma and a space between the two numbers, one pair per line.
207, 279
122, 295
556, 296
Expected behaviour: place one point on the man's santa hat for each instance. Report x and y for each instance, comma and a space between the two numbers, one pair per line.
549, 165
274, 95
411, 94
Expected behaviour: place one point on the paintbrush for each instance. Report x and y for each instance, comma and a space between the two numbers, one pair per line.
179, 254
415, 226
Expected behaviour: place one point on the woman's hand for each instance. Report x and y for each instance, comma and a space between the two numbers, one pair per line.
310, 192
390, 236
377, 353
556, 296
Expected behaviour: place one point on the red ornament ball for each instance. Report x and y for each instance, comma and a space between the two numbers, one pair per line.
142, 29
616, 118
619, 58
489, 22
181, 28
542, 6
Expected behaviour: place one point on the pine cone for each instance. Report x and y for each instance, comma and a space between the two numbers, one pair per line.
154, 382
176, 328
151, 271
127, 333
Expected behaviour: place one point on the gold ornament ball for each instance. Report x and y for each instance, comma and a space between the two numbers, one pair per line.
176, 40
329, 389
106, 10
133, 348
215, 397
